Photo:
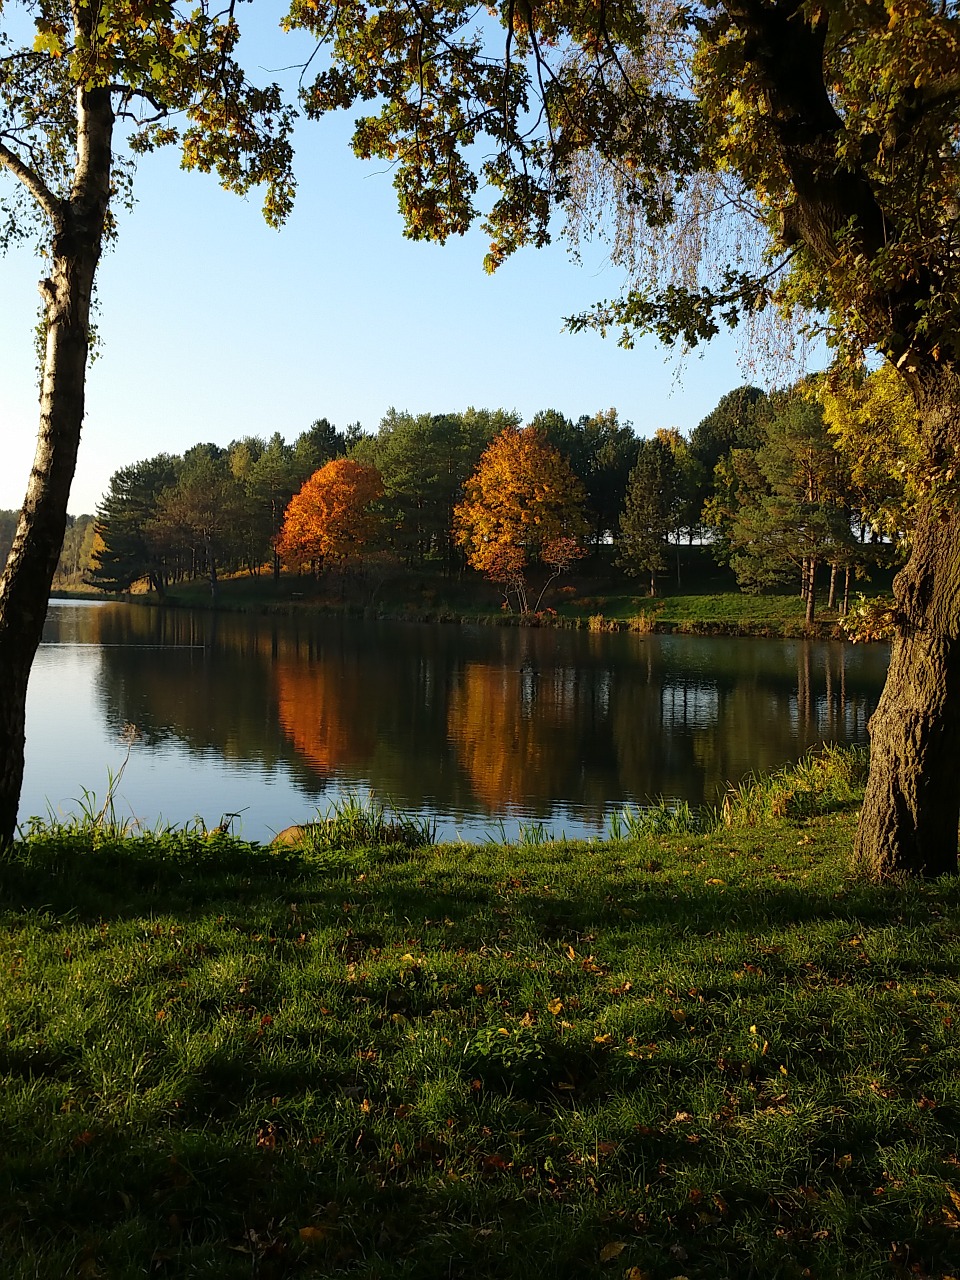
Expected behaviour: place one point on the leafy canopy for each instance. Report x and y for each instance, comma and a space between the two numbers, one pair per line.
331, 516
750, 151
173, 77
522, 504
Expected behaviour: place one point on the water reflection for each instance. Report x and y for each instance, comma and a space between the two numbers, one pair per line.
463, 722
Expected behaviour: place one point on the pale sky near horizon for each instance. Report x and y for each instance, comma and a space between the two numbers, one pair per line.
214, 326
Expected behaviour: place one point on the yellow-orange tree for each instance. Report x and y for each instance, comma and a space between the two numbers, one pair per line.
331, 518
523, 504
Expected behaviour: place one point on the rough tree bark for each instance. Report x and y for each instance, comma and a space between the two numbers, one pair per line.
78, 225
908, 824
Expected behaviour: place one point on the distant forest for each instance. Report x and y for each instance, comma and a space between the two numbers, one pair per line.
76, 558
779, 485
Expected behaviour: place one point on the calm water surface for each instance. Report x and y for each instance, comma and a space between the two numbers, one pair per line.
274, 718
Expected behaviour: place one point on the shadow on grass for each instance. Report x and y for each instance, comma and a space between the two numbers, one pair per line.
417, 1104
191, 875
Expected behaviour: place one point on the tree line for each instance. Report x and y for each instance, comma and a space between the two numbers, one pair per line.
802, 486
76, 554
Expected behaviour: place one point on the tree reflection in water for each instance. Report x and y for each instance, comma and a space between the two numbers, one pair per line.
465, 722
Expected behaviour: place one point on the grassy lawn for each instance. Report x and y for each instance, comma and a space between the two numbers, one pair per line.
692, 1055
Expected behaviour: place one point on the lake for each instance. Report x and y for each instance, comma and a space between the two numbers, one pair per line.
481, 728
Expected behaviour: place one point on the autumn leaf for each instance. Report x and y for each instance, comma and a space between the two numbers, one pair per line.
612, 1250
313, 1235
555, 1006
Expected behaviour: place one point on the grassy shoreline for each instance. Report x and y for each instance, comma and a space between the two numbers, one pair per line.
723, 614
705, 600
702, 1055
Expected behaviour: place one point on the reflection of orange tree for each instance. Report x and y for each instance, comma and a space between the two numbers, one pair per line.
504, 726
320, 711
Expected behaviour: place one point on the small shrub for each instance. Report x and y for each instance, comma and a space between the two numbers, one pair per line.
509, 1059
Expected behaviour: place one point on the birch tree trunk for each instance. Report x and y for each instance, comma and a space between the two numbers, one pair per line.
78, 224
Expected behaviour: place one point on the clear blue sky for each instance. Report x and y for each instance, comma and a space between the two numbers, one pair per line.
214, 326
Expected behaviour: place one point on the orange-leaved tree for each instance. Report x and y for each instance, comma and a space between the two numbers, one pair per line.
331, 518
522, 505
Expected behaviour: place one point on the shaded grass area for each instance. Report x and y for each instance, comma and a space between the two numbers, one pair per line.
702, 1056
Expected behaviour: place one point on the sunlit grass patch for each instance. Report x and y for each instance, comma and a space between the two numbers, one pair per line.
352, 822
705, 1054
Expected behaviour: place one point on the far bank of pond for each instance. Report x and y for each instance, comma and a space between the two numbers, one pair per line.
483, 729
705, 600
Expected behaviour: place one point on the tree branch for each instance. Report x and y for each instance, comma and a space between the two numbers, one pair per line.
48, 202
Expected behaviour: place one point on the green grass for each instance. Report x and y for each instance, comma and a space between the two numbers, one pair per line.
705, 600
702, 1055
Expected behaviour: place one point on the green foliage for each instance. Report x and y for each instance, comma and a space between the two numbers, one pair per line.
127, 549
180, 62
654, 501
661, 819
825, 781
822, 782
735, 423
425, 460
601, 451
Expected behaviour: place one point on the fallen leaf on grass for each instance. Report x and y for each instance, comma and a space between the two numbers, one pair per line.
313, 1235
612, 1250
555, 1006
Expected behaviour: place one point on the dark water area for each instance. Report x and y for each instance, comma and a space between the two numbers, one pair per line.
273, 718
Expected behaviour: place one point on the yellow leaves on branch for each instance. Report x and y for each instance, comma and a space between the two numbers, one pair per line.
523, 503
331, 516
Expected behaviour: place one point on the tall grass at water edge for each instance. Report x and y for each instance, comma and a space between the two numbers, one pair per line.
823, 781
707, 1054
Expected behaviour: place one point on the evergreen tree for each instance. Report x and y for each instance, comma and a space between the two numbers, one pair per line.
126, 551
654, 499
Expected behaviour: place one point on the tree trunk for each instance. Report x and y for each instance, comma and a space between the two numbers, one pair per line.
908, 824
811, 580
25, 583
211, 566
832, 597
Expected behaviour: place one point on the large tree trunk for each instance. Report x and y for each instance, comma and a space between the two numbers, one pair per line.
908, 825
25, 584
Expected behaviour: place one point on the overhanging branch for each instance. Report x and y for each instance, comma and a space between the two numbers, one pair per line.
48, 202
